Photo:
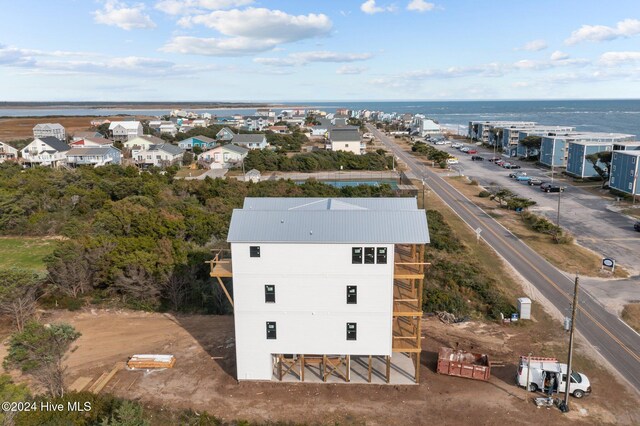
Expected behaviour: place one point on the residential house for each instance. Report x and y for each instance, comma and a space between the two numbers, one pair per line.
250, 141
253, 175
225, 135
322, 128
625, 171
327, 282
49, 151
201, 142
200, 122
81, 135
169, 129
99, 122
7, 152
93, 156
143, 141
125, 130
161, 155
254, 123
345, 139
281, 130
425, 126
94, 142
45, 130
223, 156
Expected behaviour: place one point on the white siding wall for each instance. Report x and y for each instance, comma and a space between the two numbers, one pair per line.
311, 310
353, 146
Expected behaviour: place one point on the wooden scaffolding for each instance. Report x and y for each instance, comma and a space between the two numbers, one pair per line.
408, 282
221, 268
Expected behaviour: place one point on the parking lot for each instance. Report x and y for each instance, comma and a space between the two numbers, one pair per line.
588, 217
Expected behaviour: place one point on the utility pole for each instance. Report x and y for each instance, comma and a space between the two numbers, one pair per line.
558, 216
564, 406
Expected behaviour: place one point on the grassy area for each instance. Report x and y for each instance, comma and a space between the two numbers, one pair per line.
631, 315
24, 252
633, 212
570, 258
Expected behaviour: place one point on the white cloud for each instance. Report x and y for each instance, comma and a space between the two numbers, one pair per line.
559, 56
350, 69
248, 31
121, 15
191, 7
369, 7
234, 46
617, 58
521, 84
420, 6
534, 46
623, 29
303, 58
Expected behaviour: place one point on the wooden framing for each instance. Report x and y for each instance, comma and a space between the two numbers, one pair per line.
221, 268
334, 364
289, 365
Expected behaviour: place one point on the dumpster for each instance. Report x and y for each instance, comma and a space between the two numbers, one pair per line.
464, 364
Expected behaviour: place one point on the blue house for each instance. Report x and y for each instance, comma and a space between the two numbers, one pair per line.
624, 171
577, 152
201, 142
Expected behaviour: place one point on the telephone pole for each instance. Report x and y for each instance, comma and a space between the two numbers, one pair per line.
564, 406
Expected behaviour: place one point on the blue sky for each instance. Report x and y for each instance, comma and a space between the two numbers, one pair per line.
252, 50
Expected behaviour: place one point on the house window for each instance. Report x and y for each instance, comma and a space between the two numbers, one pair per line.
369, 255
630, 185
356, 255
254, 251
351, 331
352, 295
270, 293
381, 255
271, 330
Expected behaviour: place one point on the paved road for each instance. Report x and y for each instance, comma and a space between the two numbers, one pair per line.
587, 216
612, 338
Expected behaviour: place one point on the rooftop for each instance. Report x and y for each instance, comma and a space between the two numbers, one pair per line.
248, 138
329, 220
89, 151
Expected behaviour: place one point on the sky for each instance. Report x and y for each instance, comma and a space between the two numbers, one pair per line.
295, 50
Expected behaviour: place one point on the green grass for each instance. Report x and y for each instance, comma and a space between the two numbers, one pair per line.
24, 252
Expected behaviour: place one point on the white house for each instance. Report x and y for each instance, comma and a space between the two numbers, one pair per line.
345, 139
250, 141
425, 126
48, 151
77, 136
254, 123
223, 156
7, 152
45, 130
93, 156
169, 129
326, 281
162, 155
143, 141
125, 130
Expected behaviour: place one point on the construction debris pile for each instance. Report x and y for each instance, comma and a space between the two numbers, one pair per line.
151, 361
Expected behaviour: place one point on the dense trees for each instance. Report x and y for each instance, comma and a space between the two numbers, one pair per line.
601, 162
265, 160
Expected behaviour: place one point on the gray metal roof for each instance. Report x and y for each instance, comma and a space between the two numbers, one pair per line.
237, 149
344, 134
329, 220
55, 143
167, 147
90, 151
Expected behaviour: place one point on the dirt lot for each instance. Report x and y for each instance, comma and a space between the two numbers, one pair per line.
22, 128
199, 382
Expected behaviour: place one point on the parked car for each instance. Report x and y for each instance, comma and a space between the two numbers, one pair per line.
536, 372
477, 158
548, 187
636, 226
513, 166
499, 162
506, 165
456, 145
438, 143
514, 175
534, 181
524, 178
472, 151
465, 149
493, 159
452, 160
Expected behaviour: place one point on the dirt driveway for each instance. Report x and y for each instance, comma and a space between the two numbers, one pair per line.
203, 377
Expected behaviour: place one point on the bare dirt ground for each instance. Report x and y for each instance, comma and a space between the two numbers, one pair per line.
22, 128
200, 382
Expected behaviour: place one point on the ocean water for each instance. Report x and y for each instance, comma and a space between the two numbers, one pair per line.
621, 116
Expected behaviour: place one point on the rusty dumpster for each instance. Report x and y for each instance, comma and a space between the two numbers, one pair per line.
464, 364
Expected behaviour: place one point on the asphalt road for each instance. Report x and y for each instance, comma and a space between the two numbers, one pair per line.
606, 333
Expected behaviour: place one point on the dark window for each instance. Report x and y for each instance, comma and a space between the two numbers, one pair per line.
369, 255
351, 331
271, 330
382, 255
356, 255
352, 295
254, 251
270, 293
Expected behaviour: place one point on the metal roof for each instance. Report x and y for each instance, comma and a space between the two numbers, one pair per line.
89, 151
344, 134
55, 143
329, 220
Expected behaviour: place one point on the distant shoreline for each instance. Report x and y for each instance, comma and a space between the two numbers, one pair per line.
138, 105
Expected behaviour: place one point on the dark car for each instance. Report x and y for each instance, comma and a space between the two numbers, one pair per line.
514, 175
476, 158
534, 181
513, 166
548, 187
636, 226
493, 159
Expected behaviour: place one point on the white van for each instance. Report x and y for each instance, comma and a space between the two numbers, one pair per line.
549, 370
452, 160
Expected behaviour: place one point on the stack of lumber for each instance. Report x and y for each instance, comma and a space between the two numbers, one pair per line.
151, 361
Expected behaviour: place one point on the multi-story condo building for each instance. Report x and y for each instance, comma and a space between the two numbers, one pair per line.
326, 287
482, 130
625, 171
554, 150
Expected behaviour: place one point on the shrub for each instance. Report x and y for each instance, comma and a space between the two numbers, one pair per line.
484, 194
473, 182
443, 164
